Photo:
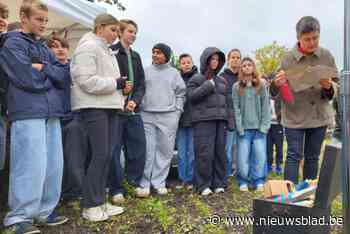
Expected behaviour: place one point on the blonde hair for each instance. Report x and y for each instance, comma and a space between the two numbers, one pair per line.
28, 6
104, 20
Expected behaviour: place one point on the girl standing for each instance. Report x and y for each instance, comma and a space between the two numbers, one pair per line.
252, 114
207, 93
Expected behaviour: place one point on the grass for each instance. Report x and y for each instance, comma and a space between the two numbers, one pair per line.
179, 212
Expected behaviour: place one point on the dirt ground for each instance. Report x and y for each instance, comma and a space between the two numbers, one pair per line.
181, 211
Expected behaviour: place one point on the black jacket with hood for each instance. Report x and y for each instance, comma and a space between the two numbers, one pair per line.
186, 119
208, 100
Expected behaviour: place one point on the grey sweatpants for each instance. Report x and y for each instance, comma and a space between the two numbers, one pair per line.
160, 130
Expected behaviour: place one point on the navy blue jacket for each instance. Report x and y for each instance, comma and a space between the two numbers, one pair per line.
65, 96
32, 94
231, 78
186, 119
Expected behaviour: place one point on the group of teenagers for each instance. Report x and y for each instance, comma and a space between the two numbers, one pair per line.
71, 118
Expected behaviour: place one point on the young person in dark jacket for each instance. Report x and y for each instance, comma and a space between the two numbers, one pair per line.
131, 127
4, 13
184, 140
34, 108
74, 136
231, 76
275, 135
207, 94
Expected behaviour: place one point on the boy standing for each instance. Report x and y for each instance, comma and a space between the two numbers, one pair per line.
184, 141
161, 109
74, 136
34, 108
131, 127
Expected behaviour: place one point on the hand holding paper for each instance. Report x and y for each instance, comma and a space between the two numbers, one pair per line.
313, 76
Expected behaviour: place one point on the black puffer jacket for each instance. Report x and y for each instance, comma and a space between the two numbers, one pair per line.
208, 101
231, 78
186, 119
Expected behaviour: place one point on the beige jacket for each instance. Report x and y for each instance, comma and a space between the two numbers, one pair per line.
310, 109
94, 71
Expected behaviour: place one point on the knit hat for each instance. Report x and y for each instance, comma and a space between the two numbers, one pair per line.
166, 50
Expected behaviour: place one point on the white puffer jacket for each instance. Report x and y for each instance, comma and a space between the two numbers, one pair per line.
94, 71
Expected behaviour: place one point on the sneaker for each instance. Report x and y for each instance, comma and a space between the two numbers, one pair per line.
219, 190
243, 188
95, 214
111, 210
260, 187
142, 192
278, 170
206, 192
180, 186
118, 198
24, 228
53, 220
162, 191
189, 187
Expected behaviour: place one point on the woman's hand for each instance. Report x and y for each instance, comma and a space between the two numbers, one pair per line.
326, 84
280, 78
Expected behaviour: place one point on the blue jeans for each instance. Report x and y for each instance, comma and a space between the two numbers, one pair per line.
35, 170
2, 142
303, 143
251, 157
185, 149
231, 141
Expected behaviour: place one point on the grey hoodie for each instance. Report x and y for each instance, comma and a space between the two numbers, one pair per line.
94, 71
165, 89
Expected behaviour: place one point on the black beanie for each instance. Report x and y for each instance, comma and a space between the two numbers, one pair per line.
166, 50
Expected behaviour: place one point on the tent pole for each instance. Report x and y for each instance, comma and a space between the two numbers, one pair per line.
346, 120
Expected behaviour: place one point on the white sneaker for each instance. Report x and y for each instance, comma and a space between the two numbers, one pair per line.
95, 214
243, 188
206, 192
219, 190
111, 210
162, 191
260, 187
118, 198
142, 192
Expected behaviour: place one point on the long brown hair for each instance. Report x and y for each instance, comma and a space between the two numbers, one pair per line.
256, 80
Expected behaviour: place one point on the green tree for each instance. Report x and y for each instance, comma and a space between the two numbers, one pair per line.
268, 58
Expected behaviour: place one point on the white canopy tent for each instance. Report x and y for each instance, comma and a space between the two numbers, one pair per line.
71, 18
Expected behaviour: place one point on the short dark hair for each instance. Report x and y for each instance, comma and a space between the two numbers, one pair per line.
51, 42
123, 24
184, 56
307, 24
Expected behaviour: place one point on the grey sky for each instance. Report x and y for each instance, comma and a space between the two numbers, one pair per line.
191, 25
